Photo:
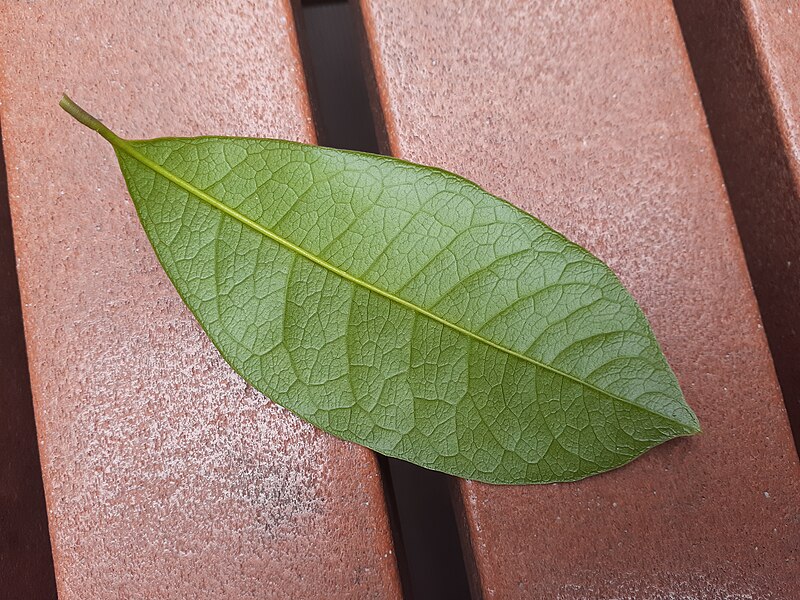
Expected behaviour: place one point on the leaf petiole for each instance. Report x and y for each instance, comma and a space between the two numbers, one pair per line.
80, 115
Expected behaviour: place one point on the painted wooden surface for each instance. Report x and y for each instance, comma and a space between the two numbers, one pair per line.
587, 116
165, 475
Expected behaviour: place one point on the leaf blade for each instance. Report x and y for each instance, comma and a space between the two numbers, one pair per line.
424, 318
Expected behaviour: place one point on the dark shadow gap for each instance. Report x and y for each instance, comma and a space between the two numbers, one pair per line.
26, 561
419, 501
757, 172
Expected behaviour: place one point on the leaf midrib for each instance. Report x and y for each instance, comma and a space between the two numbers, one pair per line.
128, 148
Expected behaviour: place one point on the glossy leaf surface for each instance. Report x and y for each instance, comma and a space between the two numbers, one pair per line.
404, 308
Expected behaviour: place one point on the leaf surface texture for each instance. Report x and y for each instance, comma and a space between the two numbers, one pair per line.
404, 308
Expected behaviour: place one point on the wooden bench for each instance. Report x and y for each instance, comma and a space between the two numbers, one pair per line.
166, 476
587, 116
745, 55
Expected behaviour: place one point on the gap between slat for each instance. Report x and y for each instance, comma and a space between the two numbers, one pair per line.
26, 560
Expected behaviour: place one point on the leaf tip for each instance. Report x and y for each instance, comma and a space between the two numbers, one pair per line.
693, 427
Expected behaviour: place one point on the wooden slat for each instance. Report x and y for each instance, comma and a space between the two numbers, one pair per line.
165, 475
746, 57
586, 115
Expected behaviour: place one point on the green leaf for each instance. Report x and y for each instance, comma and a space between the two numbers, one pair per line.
404, 308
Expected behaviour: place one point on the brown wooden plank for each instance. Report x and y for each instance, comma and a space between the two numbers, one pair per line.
586, 115
165, 475
746, 58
